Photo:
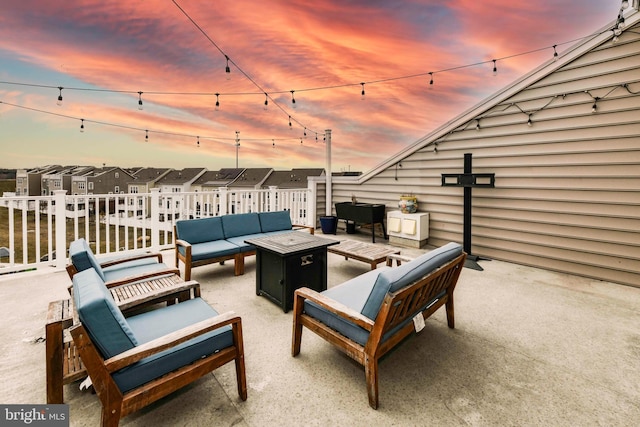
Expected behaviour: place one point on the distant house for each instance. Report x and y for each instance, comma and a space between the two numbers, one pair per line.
179, 181
251, 178
62, 179
564, 144
145, 179
212, 180
295, 178
29, 181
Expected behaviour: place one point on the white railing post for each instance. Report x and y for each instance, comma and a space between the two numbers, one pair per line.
311, 202
224, 202
273, 198
155, 219
61, 228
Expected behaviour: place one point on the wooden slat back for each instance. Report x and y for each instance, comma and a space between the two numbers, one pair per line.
408, 301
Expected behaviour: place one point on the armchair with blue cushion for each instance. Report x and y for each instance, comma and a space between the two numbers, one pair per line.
369, 315
116, 270
135, 361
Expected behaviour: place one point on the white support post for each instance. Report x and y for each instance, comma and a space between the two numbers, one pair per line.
312, 198
328, 201
155, 219
224, 196
273, 193
61, 228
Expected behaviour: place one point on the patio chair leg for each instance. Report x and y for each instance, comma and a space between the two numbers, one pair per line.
241, 378
449, 307
371, 374
298, 304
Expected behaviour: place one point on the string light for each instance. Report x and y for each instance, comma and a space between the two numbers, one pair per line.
273, 143
146, 136
495, 68
478, 124
290, 128
555, 53
594, 108
293, 100
217, 102
529, 122
198, 142
82, 125
227, 69
60, 96
140, 101
266, 101
431, 81
305, 132
362, 93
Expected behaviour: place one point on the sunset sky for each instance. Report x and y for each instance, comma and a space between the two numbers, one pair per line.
104, 52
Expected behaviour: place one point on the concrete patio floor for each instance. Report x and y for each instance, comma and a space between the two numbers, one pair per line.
531, 347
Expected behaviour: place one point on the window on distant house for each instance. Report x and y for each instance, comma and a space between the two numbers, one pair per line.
116, 189
133, 189
81, 185
117, 175
57, 183
90, 184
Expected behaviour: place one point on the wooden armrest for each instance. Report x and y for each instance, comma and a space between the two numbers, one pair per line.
335, 307
58, 314
173, 339
117, 261
184, 243
311, 229
131, 279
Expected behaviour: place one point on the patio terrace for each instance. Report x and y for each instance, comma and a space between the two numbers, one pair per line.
531, 347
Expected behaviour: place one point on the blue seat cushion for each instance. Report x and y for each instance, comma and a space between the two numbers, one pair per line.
393, 279
82, 257
239, 241
100, 316
240, 224
208, 250
157, 323
275, 221
200, 230
353, 294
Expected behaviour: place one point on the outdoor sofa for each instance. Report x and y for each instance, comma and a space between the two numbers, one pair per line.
220, 238
371, 314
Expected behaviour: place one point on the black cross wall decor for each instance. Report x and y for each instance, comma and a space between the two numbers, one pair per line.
468, 180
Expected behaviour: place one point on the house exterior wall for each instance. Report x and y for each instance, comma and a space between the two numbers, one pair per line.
567, 188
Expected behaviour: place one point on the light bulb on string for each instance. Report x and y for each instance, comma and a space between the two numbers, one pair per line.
478, 124
59, 102
273, 143
293, 100
146, 136
290, 128
217, 102
300, 141
227, 70
594, 108
266, 101
305, 132
529, 122
431, 80
362, 93
140, 107
555, 53
495, 68
81, 125
198, 142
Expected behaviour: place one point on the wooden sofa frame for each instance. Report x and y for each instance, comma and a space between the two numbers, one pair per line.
116, 405
63, 364
396, 308
238, 258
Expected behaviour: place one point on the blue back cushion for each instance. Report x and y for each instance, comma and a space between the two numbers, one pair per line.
275, 221
393, 279
100, 315
240, 224
200, 230
82, 257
